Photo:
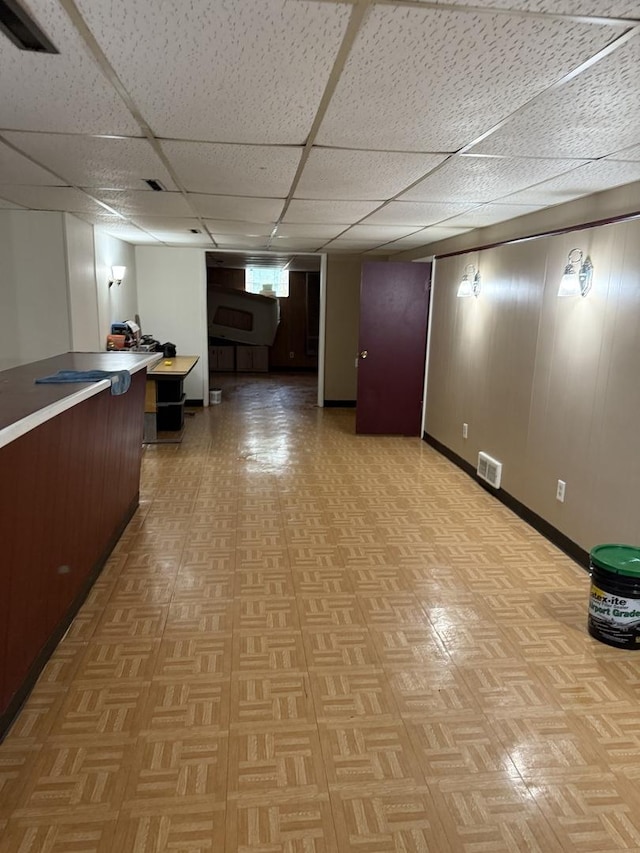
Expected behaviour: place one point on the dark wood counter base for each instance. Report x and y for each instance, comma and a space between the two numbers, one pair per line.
68, 489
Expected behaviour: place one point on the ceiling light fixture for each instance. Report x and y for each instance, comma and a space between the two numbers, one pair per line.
23, 31
578, 275
469, 283
117, 274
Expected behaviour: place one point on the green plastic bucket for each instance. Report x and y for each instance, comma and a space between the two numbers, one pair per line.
614, 597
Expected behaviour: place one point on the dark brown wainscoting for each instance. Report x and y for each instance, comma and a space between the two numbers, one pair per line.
68, 489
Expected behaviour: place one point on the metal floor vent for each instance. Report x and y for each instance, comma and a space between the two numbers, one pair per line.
489, 469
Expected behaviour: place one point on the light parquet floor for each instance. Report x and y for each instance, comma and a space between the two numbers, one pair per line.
312, 642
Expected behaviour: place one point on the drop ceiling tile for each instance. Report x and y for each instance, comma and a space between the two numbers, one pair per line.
174, 238
595, 8
428, 235
16, 169
481, 179
433, 80
244, 229
595, 114
130, 235
352, 245
5, 204
592, 178
226, 71
416, 213
311, 232
250, 170
51, 198
227, 241
382, 233
166, 223
91, 161
626, 154
298, 244
144, 202
342, 174
489, 214
235, 208
328, 212
65, 92
118, 228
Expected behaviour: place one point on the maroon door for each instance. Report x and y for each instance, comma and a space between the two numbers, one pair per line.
394, 303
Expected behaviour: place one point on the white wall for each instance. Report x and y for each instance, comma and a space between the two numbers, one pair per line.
34, 303
172, 298
119, 302
83, 300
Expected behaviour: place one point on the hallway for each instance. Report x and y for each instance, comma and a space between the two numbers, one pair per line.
311, 642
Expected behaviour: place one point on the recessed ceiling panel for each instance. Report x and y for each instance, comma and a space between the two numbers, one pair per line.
252, 71
482, 179
64, 92
90, 161
250, 170
594, 8
144, 202
416, 213
240, 209
593, 115
51, 198
489, 214
328, 212
16, 169
592, 178
342, 174
432, 80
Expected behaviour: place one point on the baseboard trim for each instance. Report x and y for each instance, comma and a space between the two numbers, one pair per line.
568, 546
22, 693
335, 404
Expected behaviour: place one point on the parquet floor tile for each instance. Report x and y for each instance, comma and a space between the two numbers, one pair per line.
308, 641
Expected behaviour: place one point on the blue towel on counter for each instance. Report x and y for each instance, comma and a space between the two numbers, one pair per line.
120, 379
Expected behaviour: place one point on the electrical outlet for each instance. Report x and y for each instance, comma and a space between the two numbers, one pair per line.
292, 355
465, 430
560, 491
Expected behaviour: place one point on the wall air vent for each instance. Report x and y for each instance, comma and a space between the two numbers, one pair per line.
23, 31
156, 186
489, 469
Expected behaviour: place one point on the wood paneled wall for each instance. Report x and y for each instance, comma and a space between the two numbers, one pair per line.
68, 489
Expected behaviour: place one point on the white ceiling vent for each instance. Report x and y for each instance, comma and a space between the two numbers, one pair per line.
489, 469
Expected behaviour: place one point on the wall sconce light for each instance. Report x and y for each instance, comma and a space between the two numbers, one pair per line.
470, 282
578, 275
117, 274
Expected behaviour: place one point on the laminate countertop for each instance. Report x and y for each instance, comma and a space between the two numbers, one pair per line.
25, 405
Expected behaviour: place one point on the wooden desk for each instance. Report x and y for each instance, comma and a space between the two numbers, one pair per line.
165, 398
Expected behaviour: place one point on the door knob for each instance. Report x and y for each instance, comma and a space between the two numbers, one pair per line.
364, 353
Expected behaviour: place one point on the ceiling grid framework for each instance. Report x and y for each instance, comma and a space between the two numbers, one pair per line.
318, 125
